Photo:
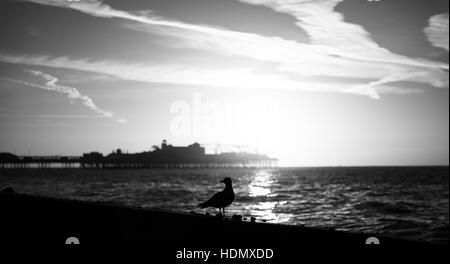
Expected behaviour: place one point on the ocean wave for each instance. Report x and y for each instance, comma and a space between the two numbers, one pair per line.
404, 202
387, 207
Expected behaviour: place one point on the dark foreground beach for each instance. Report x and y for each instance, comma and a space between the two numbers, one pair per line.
47, 220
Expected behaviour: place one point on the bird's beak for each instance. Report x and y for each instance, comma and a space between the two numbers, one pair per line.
221, 181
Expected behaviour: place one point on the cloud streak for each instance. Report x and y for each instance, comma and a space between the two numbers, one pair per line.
235, 78
437, 31
72, 93
337, 49
326, 27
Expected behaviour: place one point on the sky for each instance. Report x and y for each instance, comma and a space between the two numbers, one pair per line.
310, 82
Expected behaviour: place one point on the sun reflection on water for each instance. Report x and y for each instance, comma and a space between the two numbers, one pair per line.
261, 183
261, 187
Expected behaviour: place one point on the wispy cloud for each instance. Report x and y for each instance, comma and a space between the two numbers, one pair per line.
336, 49
328, 28
437, 31
185, 75
72, 93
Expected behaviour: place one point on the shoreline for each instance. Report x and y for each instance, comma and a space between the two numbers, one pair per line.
52, 220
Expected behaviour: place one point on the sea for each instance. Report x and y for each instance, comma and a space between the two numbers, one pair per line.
403, 202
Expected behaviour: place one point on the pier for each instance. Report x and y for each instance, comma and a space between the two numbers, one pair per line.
11, 161
165, 156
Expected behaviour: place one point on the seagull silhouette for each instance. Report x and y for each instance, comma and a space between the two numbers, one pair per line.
221, 199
